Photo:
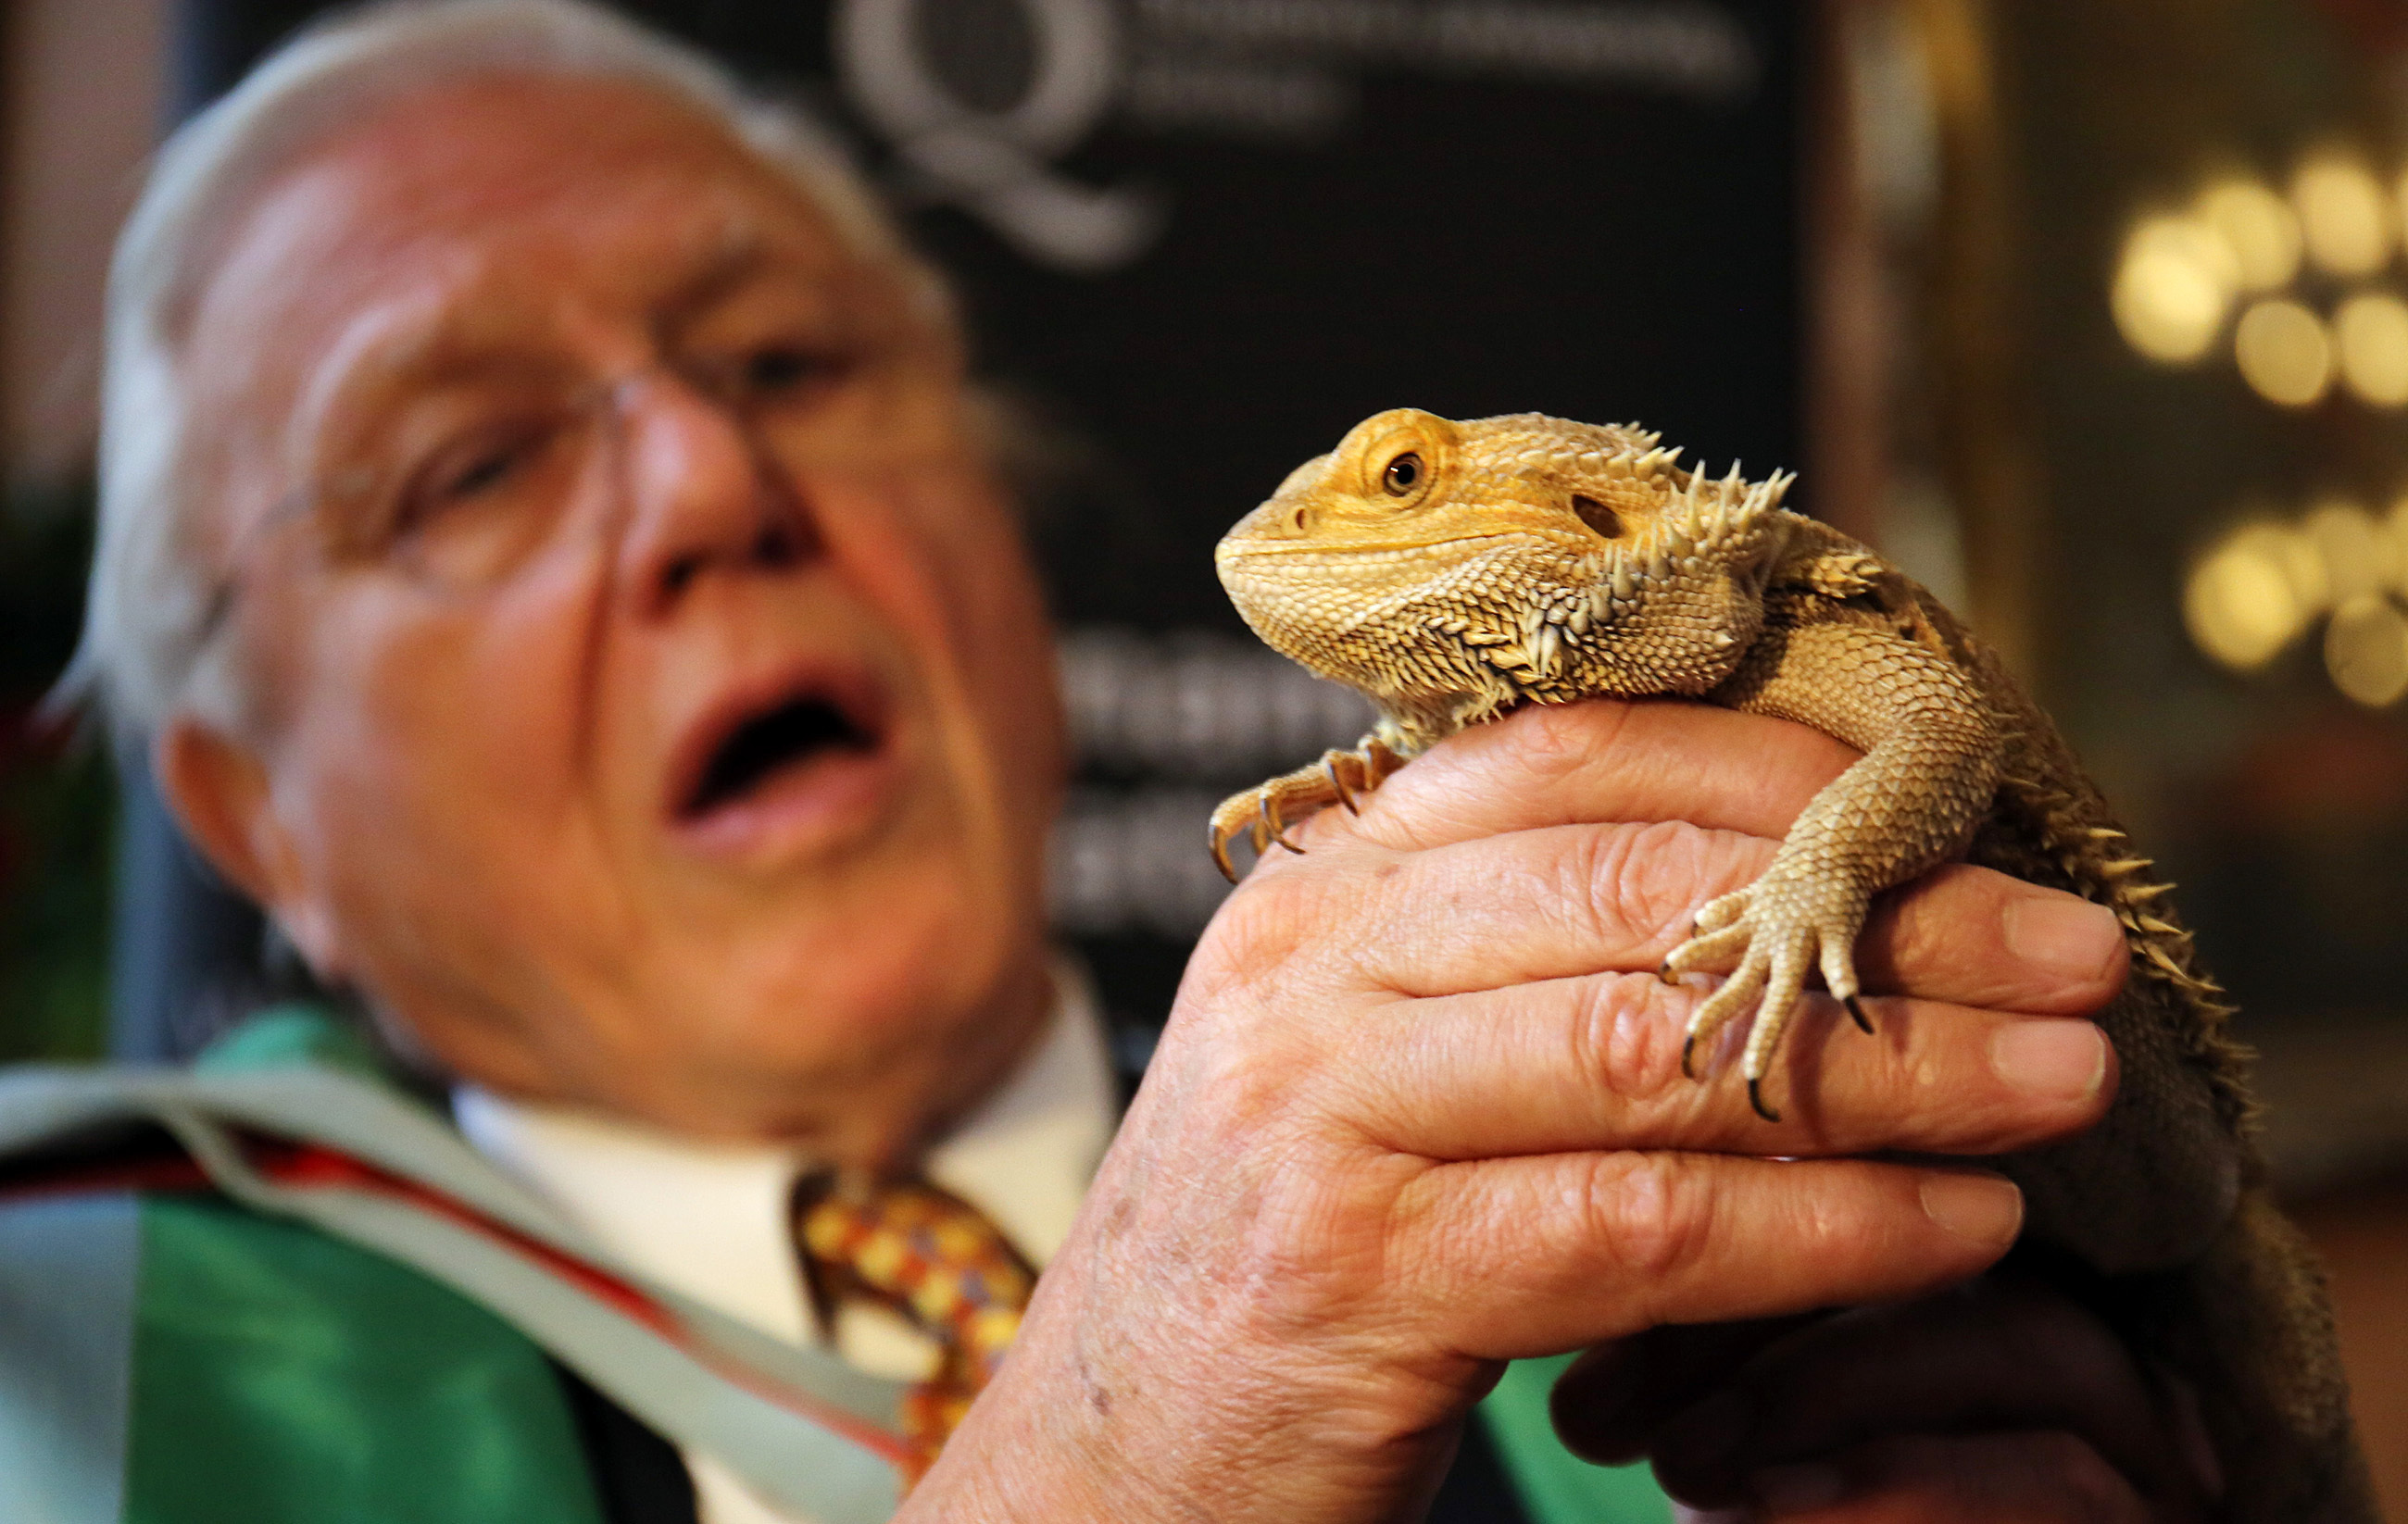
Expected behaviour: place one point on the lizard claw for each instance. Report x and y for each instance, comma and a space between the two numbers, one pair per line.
1756, 1100
1263, 814
1218, 839
1271, 826
1856, 1012
1332, 767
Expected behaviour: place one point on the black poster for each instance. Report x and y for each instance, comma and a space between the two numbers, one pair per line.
1198, 239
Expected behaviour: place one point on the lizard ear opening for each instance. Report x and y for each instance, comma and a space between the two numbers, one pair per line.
1597, 516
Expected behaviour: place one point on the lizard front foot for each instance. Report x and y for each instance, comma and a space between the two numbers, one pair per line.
1262, 814
1771, 935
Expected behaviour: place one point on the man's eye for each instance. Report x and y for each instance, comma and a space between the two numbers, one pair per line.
469, 473
783, 368
484, 467
487, 470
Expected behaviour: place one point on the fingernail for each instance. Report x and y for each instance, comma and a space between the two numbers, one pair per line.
1982, 1208
1797, 1489
2059, 1059
1703, 1437
2072, 938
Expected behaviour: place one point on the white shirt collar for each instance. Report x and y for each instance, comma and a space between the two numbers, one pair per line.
712, 1219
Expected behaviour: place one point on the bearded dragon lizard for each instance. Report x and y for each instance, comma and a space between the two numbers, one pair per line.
1454, 571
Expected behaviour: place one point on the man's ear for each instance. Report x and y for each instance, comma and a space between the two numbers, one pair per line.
218, 790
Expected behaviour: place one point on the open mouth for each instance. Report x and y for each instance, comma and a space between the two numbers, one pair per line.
792, 733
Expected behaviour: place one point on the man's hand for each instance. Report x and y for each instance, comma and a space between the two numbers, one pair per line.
1419, 1111
1996, 1402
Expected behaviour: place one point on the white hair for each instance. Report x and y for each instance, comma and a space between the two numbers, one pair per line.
149, 612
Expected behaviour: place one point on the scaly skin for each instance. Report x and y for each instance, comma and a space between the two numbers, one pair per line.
1454, 571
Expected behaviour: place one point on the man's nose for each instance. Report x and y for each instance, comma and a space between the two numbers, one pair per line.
702, 494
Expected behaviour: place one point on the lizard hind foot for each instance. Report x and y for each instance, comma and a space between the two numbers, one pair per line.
1770, 936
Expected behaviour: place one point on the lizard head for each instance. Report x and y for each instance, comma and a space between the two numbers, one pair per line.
1425, 557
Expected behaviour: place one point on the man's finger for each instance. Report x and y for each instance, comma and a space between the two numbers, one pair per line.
1594, 1064
1994, 1358
2014, 1478
1609, 1406
1607, 760
1980, 938
1514, 1258
1562, 901
1544, 903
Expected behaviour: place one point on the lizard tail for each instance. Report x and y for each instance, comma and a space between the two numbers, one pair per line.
2250, 1326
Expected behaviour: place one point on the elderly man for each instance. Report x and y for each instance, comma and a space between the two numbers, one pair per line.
548, 536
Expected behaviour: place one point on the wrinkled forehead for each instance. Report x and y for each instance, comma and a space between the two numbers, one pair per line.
497, 211
505, 167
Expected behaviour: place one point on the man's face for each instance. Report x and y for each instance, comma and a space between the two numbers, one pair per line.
653, 705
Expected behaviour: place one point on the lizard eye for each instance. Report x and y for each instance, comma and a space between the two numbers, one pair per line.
1403, 475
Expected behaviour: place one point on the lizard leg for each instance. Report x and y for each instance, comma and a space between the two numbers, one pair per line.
1263, 814
1933, 748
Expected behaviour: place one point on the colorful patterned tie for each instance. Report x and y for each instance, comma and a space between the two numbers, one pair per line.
913, 1248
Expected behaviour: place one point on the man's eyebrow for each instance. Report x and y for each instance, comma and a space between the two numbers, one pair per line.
739, 254
418, 348
387, 347
424, 340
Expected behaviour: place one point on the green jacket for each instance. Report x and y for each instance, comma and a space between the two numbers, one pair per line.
274, 1288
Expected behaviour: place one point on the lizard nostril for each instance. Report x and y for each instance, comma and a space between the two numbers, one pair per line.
1597, 516
1299, 520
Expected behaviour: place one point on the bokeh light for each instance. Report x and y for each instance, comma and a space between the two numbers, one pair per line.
2370, 337
2176, 278
2355, 553
2259, 229
2394, 524
2260, 588
2366, 650
2345, 219
2243, 602
2284, 352
2304, 568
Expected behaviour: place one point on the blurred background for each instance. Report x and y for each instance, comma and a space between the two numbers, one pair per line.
2093, 313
